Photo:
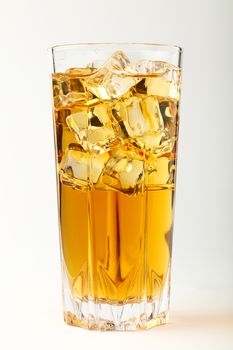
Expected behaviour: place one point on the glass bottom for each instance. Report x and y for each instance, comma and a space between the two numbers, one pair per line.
104, 315
107, 317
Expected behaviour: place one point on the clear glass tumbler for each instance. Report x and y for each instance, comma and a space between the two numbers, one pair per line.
116, 114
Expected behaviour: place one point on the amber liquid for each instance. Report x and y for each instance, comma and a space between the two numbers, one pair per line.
116, 213
116, 247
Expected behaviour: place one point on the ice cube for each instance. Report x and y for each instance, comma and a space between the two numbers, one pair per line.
98, 162
163, 88
166, 86
81, 169
150, 141
143, 122
172, 170
124, 172
130, 118
168, 108
80, 72
169, 112
148, 67
152, 113
68, 91
161, 79
110, 81
157, 143
136, 116
74, 169
93, 128
157, 171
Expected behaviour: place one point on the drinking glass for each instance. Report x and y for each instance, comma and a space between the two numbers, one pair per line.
116, 116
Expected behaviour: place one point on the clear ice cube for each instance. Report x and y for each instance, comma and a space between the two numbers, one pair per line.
137, 115
124, 172
157, 171
68, 91
110, 81
165, 86
148, 67
80, 169
146, 123
93, 128
74, 168
161, 79
157, 143
162, 88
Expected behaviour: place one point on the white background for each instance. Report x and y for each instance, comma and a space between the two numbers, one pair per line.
202, 283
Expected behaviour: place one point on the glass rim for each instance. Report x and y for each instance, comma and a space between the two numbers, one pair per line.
90, 44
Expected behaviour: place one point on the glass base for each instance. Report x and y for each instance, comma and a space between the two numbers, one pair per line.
107, 317
104, 315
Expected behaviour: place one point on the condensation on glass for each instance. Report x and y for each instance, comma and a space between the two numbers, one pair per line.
116, 117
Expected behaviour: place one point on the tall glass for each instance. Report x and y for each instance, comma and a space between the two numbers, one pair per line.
116, 113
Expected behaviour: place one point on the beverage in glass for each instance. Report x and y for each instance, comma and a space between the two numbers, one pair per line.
116, 117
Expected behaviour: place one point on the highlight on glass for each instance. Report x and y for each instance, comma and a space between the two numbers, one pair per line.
116, 118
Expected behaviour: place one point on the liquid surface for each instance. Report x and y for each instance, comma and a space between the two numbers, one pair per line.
116, 134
